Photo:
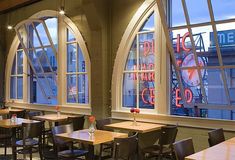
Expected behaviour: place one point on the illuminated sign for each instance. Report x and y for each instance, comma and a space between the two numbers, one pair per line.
180, 44
225, 38
188, 96
148, 96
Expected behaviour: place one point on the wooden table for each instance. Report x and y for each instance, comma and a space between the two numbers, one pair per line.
222, 151
6, 123
100, 136
6, 111
141, 127
53, 117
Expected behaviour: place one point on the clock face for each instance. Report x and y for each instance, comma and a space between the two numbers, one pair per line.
190, 75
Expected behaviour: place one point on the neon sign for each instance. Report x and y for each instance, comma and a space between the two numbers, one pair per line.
149, 99
188, 96
182, 43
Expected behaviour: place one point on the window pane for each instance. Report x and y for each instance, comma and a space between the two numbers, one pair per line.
148, 24
81, 62
132, 59
70, 36
51, 57
177, 13
83, 92
71, 89
32, 37
52, 26
19, 87
45, 64
230, 78
198, 11
220, 114
223, 9
13, 88
71, 57
146, 51
146, 90
214, 87
226, 39
34, 61
45, 86
129, 98
20, 62
13, 69
42, 34
205, 46
51, 78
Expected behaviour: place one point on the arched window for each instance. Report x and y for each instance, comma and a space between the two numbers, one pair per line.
56, 60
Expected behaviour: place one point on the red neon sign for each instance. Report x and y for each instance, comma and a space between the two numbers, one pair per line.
148, 46
183, 43
188, 96
150, 93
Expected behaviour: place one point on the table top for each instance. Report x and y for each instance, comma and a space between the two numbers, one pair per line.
141, 127
100, 136
52, 117
222, 151
6, 111
6, 123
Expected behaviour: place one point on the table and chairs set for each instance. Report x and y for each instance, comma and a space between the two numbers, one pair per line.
66, 138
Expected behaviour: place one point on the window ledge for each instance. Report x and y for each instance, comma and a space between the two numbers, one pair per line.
193, 122
84, 110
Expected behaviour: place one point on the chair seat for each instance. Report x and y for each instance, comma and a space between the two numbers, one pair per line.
27, 150
155, 150
70, 154
28, 142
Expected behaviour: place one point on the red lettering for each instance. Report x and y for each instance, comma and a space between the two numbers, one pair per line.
146, 48
151, 76
152, 46
179, 62
142, 95
183, 42
188, 95
177, 98
152, 95
144, 76
178, 43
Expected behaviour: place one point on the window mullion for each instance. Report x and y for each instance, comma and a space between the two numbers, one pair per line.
137, 71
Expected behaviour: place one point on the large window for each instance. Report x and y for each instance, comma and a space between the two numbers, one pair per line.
203, 45
48, 44
138, 77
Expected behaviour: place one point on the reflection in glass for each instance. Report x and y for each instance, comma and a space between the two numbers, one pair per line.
129, 98
83, 92
71, 57
198, 11
223, 9
81, 62
71, 89
131, 61
230, 78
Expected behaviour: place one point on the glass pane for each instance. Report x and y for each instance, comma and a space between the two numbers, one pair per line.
81, 62
71, 57
42, 33
230, 78
226, 39
13, 69
129, 98
132, 57
214, 87
52, 26
223, 9
20, 62
45, 86
51, 78
51, 57
32, 36
83, 92
44, 63
205, 46
198, 11
221, 114
70, 36
34, 61
177, 13
146, 90
148, 24
19, 87
71, 89
22, 34
146, 51
13, 88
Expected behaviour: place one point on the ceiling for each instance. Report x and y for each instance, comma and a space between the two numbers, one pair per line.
8, 5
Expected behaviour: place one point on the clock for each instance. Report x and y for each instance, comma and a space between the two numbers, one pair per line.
190, 75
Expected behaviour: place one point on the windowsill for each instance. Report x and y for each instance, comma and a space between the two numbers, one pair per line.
194, 122
69, 109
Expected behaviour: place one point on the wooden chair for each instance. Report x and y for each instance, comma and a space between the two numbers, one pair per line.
165, 144
183, 148
105, 147
126, 148
216, 136
32, 139
64, 149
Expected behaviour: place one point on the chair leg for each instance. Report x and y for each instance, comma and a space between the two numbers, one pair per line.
101, 150
31, 154
5, 147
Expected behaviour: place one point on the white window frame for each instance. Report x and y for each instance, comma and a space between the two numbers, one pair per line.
64, 23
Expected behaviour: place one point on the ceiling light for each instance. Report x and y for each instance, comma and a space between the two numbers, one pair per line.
62, 12
9, 27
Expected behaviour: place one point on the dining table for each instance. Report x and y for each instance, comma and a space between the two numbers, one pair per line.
56, 118
6, 111
221, 151
9, 124
96, 138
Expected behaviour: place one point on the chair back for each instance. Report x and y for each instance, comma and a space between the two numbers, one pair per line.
100, 124
78, 122
183, 148
61, 129
19, 114
32, 130
168, 135
126, 148
31, 114
216, 136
